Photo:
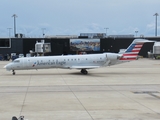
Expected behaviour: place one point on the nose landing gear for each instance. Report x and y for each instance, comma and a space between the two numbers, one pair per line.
13, 72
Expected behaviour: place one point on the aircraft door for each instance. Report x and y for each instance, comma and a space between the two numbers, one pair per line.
26, 63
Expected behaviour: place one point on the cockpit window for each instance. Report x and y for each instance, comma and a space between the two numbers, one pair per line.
16, 61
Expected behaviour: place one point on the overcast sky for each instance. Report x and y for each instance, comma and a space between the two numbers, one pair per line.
72, 17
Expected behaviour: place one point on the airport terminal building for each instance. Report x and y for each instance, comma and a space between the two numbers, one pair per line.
90, 43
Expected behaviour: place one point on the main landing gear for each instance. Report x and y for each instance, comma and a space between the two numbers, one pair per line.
13, 72
84, 71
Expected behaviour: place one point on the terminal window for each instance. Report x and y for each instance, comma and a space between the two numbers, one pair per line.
5, 43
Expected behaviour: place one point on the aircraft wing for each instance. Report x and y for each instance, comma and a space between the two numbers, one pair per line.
83, 67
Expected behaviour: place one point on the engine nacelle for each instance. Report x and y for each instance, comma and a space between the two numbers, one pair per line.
113, 58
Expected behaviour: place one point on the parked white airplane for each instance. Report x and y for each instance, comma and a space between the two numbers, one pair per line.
82, 62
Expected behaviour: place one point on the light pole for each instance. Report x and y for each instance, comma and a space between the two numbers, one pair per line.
9, 30
156, 14
106, 31
136, 32
14, 16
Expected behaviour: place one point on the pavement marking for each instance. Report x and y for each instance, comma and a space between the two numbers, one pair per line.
151, 93
25, 95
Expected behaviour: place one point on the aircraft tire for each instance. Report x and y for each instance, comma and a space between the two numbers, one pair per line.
14, 118
84, 71
13, 72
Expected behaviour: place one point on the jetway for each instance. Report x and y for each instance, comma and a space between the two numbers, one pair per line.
42, 47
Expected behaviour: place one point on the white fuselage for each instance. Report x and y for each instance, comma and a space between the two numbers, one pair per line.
89, 61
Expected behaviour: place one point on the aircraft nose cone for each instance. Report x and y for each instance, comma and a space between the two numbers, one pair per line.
4, 67
7, 67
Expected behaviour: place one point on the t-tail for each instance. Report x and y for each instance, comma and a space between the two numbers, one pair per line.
131, 53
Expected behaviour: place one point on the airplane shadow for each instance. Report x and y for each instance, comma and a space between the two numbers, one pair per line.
90, 74
63, 74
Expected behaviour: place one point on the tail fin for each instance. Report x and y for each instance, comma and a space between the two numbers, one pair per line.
131, 53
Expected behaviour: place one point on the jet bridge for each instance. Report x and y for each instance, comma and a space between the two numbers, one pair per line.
42, 47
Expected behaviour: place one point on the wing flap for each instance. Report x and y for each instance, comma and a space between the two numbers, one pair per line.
83, 67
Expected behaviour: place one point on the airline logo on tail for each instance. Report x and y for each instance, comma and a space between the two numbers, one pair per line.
133, 50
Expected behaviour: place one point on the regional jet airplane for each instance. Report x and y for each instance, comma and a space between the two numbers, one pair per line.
81, 62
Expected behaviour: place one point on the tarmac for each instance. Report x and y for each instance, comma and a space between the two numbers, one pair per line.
129, 91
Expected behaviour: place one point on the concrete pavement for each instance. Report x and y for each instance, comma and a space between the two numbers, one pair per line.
129, 91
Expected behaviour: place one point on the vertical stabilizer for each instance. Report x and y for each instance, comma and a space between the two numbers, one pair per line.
133, 50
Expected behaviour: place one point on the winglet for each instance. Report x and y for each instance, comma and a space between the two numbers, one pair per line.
131, 53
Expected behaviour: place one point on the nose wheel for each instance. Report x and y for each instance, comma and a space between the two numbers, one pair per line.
84, 71
13, 72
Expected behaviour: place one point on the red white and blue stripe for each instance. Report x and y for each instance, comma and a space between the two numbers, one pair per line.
132, 51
